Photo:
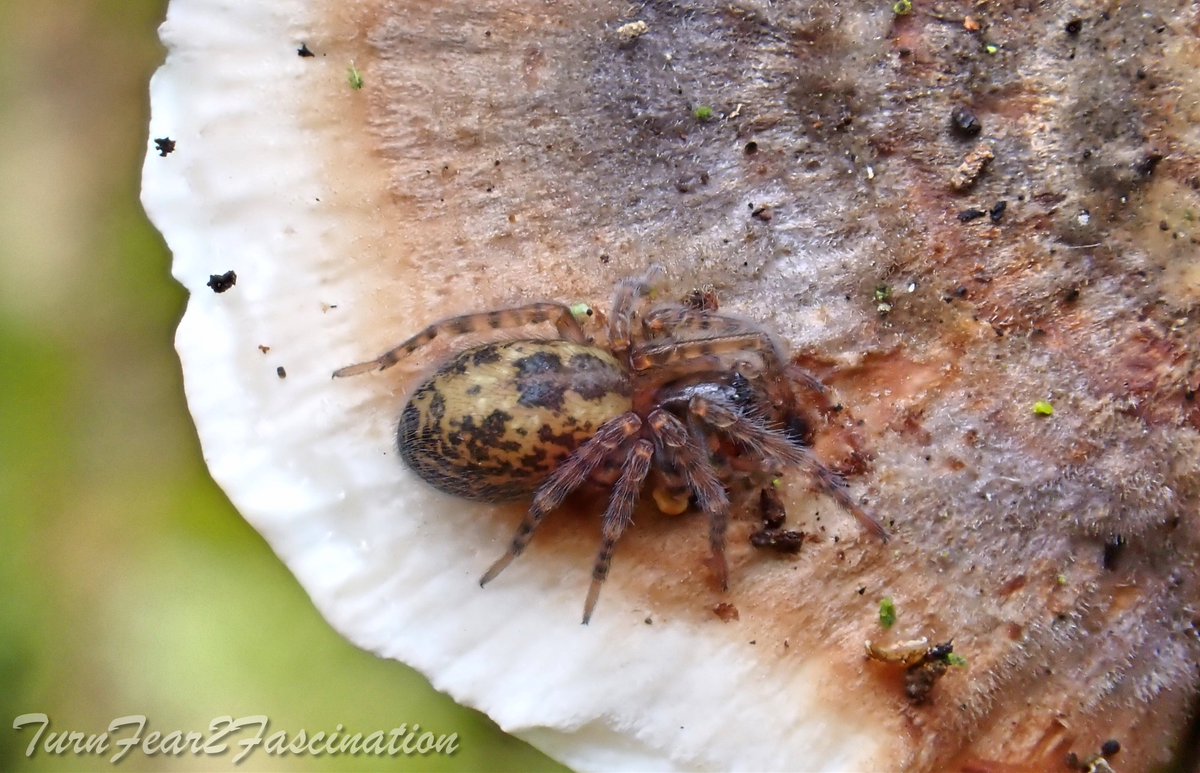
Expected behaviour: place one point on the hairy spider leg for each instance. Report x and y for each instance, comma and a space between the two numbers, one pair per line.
629, 296
774, 445
781, 375
570, 475
680, 321
519, 316
672, 354
671, 320
674, 443
618, 516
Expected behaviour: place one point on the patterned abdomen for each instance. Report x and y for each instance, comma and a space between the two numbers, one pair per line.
497, 419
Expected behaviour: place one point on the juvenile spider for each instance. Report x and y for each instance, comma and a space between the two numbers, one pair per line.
692, 399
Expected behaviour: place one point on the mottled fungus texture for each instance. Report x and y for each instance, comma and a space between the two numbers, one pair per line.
503, 153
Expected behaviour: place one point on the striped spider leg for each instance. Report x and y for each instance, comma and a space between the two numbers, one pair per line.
563, 317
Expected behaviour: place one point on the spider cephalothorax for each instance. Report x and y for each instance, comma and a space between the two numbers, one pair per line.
676, 393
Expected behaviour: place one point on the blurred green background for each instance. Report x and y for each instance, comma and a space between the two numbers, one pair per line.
131, 584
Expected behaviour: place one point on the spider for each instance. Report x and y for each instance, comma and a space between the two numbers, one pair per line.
689, 398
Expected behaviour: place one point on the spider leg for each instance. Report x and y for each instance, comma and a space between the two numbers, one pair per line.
561, 315
721, 337
674, 443
810, 383
673, 353
775, 446
629, 295
618, 516
674, 320
569, 476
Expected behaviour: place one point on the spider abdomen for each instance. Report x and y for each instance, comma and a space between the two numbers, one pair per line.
493, 422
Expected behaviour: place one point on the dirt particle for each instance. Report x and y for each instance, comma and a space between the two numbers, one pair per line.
997, 211
763, 213
967, 215
726, 611
281, 372
1113, 548
628, 33
304, 52
165, 146
222, 282
971, 167
964, 122
1074, 26
1147, 165
781, 540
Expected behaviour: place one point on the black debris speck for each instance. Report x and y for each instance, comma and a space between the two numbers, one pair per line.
1074, 26
222, 282
964, 122
164, 146
1113, 549
1110, 747
1147, 165
967, 215
281, 372
751, 148
303, 50
997, 211
763, 213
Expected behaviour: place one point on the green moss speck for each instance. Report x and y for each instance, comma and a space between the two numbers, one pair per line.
1043, 408
956, 660
703, 113
887, 612
355, 78
902, 7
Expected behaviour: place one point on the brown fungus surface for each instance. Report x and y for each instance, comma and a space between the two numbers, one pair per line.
531, 150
